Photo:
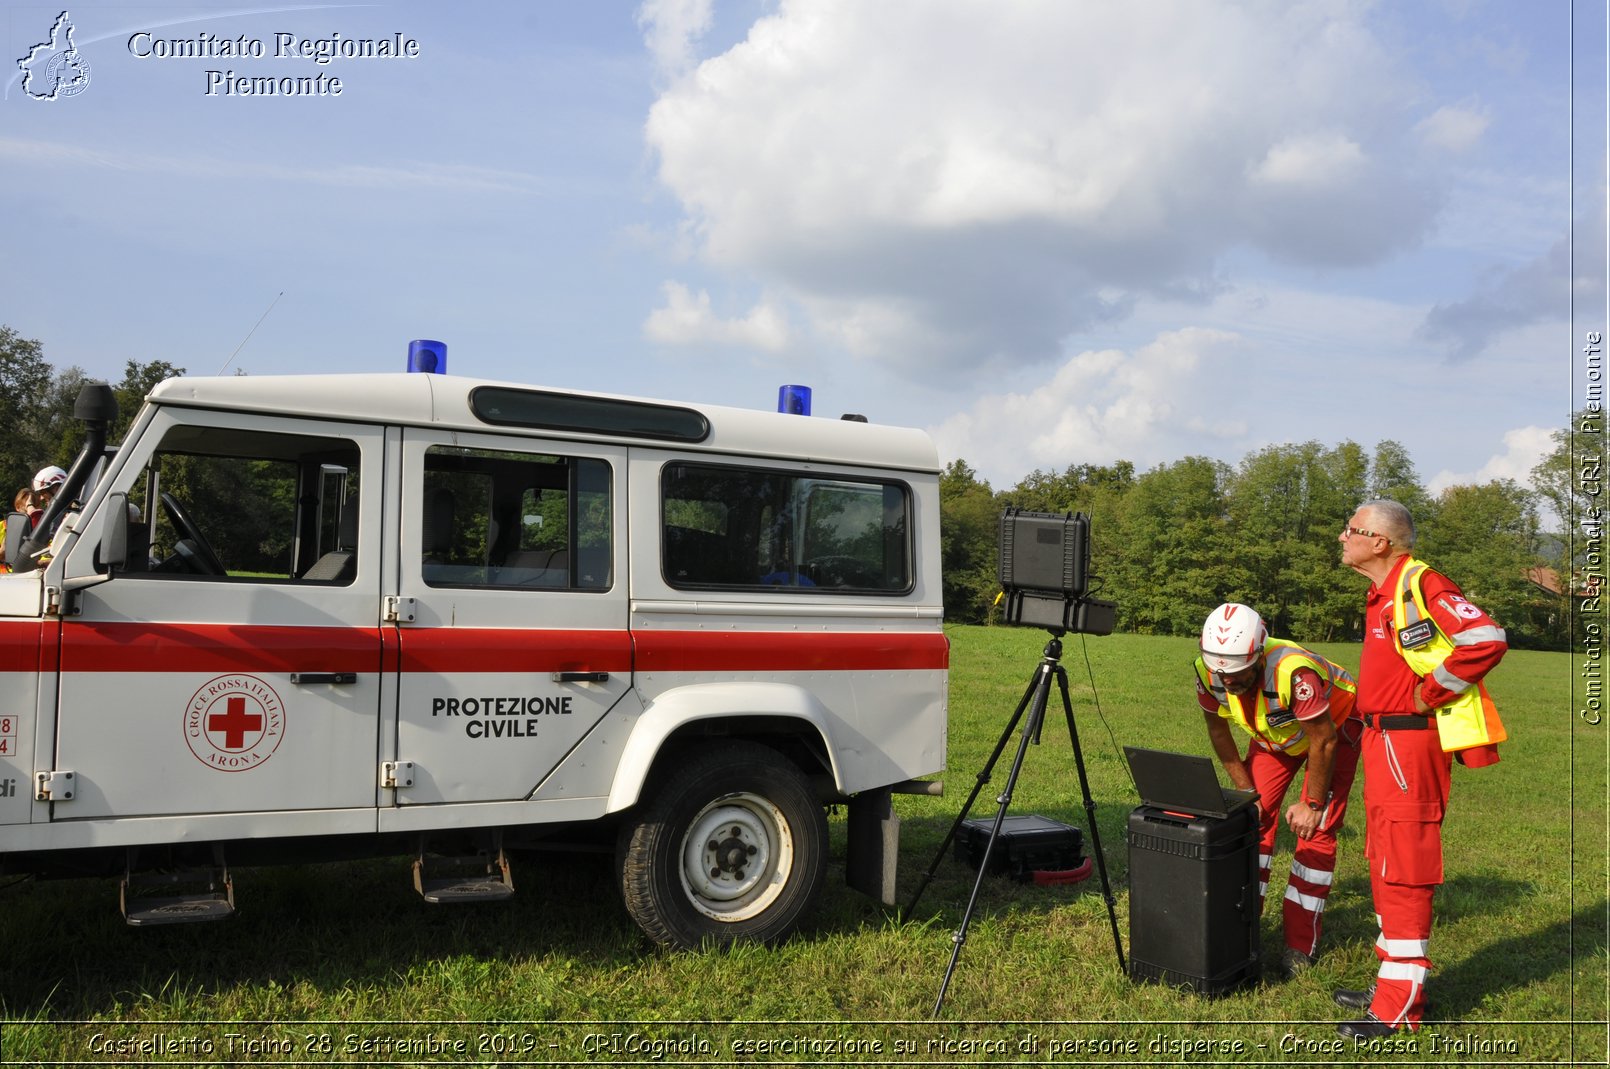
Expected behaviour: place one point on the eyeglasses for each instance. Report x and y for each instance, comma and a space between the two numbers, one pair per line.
1349, 532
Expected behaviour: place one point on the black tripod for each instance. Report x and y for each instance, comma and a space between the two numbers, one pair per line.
1034, 700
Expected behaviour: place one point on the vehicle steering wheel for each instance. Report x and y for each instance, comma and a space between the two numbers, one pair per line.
206, 561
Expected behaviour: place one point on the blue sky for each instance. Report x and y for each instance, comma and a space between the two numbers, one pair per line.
1048, 232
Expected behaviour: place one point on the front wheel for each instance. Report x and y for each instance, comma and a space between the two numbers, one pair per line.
731, 847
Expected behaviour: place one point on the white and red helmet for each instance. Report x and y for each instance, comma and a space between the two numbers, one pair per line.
49, 478
1232, 638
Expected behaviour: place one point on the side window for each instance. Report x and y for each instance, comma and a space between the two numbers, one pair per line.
245, 506
744, 528
510, 520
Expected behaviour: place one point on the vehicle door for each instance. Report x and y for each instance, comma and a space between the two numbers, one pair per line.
21, 635
232, 663
517, 646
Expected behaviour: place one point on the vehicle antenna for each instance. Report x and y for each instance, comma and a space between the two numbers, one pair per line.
249, 333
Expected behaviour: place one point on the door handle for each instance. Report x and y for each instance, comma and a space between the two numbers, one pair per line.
580, 677
324, 677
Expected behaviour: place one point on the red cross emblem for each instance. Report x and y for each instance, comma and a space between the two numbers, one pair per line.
234, 723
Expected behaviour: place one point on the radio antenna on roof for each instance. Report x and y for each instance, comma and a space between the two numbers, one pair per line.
249, 333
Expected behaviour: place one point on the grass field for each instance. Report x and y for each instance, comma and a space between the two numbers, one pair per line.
343, 963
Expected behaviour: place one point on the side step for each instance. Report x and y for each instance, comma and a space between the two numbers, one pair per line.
482, 877
211, 896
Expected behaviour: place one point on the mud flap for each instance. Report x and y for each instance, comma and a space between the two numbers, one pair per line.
873, 853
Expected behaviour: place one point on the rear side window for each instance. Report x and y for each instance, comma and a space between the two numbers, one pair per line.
762, 529
522, 521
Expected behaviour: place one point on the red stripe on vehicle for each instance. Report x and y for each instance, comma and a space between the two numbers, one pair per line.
125, 647
20, 643
120, 647
475, 649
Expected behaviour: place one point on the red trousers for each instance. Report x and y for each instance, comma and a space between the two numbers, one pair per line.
1406, 780
1313, 862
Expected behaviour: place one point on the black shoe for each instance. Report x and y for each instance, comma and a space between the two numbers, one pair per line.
1293, 963
1371, 1027
1354, 1000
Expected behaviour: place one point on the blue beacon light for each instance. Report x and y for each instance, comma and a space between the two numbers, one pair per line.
794, 400
427, 356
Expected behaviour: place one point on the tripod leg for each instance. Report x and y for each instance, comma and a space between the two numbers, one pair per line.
978, 786
1090, 816
1040, 692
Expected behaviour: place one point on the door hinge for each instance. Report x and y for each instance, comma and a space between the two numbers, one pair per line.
398, 610
396, 774
54, 786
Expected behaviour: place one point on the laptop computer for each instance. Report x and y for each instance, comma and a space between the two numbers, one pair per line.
1183, 783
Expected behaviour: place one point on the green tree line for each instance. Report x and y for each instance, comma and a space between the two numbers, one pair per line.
36, 408
1168, 544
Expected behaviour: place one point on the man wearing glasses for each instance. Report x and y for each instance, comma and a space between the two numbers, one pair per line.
1298, 709
1425, 652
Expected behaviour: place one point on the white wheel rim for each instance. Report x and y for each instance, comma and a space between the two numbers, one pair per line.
736, 857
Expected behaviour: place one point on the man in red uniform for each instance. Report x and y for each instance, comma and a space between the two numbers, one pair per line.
1298, 709
1425, 652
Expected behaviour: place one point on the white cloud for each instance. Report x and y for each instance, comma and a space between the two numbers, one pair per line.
1317, 160
1453, 129
686, 318
951, 186
1524, 449
1101, 406
671, 28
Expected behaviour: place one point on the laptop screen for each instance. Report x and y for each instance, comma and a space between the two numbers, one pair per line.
1185, 783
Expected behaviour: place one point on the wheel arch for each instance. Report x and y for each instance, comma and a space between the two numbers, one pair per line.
786, 718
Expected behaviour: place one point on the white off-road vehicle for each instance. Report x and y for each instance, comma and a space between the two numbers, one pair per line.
438, 618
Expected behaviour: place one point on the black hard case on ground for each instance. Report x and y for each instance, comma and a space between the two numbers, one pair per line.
1193, 899
1027, 844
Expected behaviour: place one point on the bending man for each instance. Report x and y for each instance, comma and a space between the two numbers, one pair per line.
1298, 709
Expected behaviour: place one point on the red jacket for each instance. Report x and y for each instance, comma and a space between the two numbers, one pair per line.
1386, 684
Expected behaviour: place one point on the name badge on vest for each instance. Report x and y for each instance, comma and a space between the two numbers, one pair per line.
1416, 635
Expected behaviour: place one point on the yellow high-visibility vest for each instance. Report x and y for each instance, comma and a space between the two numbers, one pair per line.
1471, 719
1272, 721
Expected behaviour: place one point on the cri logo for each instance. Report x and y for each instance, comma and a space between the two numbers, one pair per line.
234, 722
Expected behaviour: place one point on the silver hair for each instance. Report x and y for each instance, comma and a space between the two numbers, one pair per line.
1391, 519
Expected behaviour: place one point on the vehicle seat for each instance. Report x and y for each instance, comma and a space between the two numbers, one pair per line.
341, 563
535, 567
436, 532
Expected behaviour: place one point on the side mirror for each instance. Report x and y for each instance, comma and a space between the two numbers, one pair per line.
16, 531
114, 552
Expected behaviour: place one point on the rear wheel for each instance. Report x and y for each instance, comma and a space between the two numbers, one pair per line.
731, 847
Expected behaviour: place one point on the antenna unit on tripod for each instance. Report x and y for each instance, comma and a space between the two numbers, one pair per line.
1044, 572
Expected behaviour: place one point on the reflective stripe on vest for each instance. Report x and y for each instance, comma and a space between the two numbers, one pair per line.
1471, 719
1273, 723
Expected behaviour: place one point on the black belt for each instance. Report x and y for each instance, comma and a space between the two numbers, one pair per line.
1397, 723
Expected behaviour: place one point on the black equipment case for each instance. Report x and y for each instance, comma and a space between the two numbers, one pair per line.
1193, 899
1027, 844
